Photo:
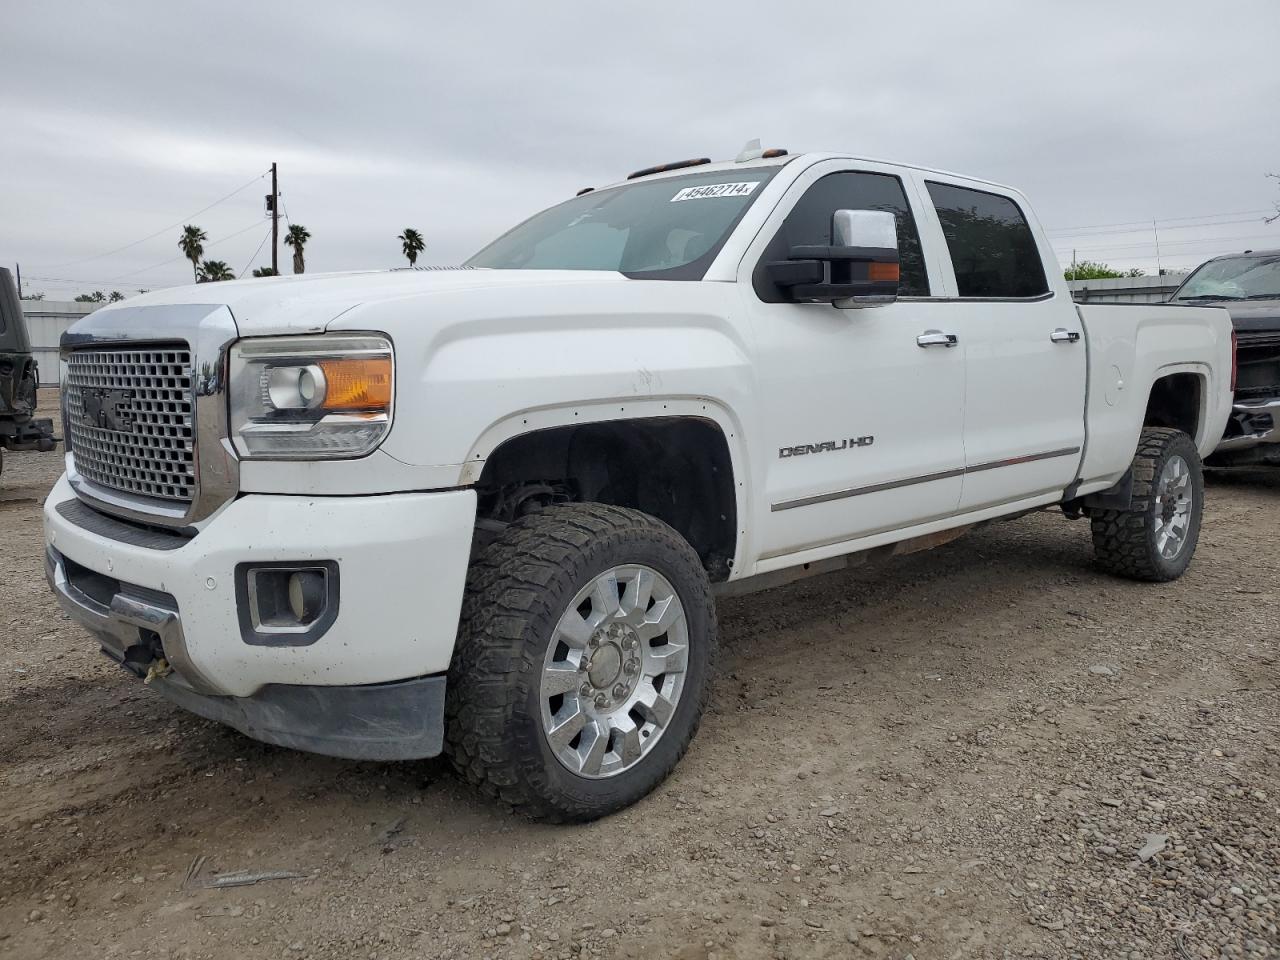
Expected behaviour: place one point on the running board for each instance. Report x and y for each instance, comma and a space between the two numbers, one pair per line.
777, 578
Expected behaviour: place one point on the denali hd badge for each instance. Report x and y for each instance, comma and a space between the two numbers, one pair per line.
108, 409
825, 447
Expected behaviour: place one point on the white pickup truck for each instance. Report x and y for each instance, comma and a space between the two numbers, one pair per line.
487, 510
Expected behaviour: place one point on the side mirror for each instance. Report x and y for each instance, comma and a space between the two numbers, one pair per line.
859, 269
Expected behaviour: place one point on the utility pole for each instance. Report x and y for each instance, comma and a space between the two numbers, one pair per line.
275, 222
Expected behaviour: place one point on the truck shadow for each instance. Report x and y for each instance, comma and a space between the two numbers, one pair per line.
1260, 479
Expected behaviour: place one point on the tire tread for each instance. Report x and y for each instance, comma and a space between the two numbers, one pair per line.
506, 603
1122, 538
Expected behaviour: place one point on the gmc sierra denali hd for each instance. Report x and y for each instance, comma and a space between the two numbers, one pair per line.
487, 510
1247, 285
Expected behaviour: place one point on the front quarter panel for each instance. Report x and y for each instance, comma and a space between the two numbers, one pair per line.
475, 370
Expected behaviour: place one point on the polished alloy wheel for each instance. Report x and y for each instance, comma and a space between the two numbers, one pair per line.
1174, 501
614, 671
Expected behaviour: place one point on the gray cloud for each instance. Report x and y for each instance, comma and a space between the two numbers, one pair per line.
120, 118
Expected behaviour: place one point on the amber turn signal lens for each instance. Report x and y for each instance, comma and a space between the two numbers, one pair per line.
357, 383
882, 272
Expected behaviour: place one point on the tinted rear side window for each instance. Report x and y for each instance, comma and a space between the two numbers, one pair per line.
992, 248
809, 222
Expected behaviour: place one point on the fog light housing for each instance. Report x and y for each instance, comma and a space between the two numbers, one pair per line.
286, 603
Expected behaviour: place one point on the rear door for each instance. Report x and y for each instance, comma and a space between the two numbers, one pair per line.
1024, 347
861, 411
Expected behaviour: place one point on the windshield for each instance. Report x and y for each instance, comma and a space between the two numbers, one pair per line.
1235, 278
668, 229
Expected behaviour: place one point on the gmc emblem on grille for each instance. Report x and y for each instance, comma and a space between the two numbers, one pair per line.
108, 409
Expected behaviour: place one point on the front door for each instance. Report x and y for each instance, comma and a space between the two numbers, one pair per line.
861, 411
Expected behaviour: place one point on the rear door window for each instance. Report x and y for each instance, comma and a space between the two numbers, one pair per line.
993, 250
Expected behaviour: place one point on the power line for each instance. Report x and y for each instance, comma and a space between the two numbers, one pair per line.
265, 237
81, 283
214, 243
1143, 224
1167, 229
157, 266
190, 216
1173, 243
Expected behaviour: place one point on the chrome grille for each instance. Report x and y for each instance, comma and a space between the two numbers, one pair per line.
129, 419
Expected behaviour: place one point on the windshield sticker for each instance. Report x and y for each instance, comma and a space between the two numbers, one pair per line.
715, 190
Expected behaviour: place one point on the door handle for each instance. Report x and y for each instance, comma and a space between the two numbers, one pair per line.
1063, 335
936, 338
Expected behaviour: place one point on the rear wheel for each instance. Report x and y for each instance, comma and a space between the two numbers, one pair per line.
583, 661
1155, 538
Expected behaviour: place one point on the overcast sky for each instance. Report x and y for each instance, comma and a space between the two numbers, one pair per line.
120, 119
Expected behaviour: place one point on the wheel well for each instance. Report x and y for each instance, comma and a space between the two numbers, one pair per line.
674, 468
1175, 402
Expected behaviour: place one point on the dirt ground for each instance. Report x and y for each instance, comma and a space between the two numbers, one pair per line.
960, 753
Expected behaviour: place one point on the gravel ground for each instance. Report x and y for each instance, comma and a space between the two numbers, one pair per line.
988, 750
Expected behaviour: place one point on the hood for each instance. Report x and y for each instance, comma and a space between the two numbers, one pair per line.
309, 303
1247, 316
1254, 316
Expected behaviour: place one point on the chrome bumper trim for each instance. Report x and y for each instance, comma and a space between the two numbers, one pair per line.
116, 625
1265, 406
1256, 437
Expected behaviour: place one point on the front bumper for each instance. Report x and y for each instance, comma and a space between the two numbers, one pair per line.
402, 720
402, 560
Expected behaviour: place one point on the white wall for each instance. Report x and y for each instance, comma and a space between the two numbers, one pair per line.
47, 320
1126, 289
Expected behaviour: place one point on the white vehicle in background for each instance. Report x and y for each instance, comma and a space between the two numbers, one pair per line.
487, 510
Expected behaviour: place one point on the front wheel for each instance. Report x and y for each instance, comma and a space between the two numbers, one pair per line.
1156, 537
583, 661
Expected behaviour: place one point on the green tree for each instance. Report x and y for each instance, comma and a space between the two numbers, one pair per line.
265, 272
33, 296
1093, 270
191, 243
96, 297
412, 244
211, 271
297, 238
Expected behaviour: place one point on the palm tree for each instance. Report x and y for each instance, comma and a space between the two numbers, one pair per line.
212, 271
265, 272
192, 245
412, 244
297, 238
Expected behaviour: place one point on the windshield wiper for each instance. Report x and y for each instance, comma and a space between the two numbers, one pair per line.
1264, 296
1210, 296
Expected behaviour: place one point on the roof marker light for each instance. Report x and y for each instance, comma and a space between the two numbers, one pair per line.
663, 167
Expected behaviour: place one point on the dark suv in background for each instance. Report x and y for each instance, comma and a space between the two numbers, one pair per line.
19, 378
1248, 286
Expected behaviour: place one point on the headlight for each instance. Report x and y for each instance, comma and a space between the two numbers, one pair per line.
311, 398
